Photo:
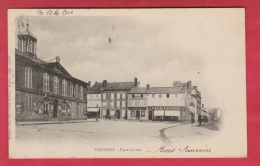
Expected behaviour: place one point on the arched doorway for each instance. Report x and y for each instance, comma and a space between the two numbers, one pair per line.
46, 106
55, 107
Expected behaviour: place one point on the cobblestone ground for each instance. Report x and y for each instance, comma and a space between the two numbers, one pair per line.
73, 139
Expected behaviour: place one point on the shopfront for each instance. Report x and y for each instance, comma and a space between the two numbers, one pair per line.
137, 113
166, 113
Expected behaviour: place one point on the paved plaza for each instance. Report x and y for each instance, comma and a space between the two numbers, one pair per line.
122, 135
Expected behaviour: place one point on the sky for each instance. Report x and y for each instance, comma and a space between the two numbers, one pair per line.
158, 47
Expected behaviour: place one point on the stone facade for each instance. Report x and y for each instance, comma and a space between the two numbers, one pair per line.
45, 91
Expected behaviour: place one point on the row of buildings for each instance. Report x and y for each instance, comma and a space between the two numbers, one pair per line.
126, 100
46, 91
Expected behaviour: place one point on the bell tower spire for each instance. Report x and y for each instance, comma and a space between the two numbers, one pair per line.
26, 40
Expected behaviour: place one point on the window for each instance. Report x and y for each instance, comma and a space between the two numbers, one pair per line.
104, 96
132, 113
118, 104
88, 96
142, 113
28, 77
71, 90
46, 82
64, 87
153, 95
104, 104
118, 96
168, 95
160, 96
28, 102
123, 95
142, 96
97, 96
81, 92
76, 91
46, 108
123, 103
133, 95
112, 96
56, 85
112, 104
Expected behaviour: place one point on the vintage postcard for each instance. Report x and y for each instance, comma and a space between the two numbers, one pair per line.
127, 83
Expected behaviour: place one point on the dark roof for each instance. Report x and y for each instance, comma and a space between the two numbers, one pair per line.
117, 86
28, 55
96, 88
158, 90
27, 32
111, 86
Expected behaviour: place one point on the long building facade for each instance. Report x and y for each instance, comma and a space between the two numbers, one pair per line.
111, 98
45, 90
162, 103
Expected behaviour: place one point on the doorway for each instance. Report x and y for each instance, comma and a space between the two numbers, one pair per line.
137, 114
55, 108
118, 114
150, 117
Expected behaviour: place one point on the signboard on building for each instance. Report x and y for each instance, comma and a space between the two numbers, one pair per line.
166, 107
137, 108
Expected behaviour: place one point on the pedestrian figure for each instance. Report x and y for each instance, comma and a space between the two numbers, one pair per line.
206, 120
192, 120
199, 119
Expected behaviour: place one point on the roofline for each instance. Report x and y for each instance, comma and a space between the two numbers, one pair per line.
50, 63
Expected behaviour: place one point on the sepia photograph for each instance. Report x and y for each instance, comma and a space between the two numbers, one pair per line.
127, 83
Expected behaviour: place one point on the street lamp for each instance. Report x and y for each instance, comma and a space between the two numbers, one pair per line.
97, 114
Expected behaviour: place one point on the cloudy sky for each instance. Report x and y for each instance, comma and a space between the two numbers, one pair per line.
158, 47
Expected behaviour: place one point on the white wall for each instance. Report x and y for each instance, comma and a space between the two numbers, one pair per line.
173, 100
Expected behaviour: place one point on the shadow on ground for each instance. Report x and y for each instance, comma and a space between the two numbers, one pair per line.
210, 126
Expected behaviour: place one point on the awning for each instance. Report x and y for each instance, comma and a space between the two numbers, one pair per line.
172, 113
93, 109
158, 113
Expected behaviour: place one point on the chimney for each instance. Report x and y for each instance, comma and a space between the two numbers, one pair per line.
176, 83
148, 87
135, 84
95, 82
104, 83
57, 59
189, 86
89, 83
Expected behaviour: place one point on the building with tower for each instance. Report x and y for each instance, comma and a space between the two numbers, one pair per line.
45, 90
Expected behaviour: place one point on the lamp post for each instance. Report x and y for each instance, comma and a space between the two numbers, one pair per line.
97, 114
